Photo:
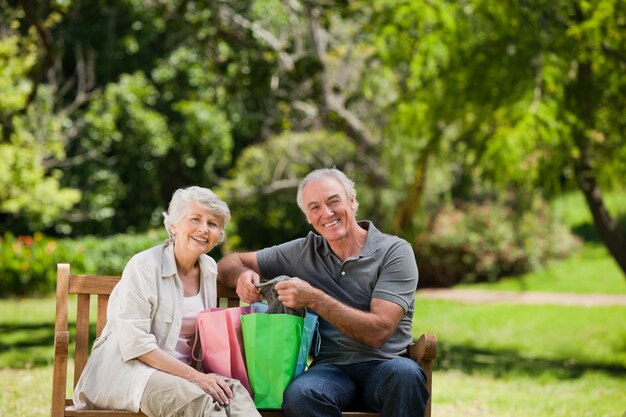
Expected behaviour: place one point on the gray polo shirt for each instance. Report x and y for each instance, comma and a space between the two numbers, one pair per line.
384, 269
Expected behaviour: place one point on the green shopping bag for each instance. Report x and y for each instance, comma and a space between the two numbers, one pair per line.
271, 344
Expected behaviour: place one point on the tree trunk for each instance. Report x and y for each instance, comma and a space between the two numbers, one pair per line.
581, 101
407, 208
607, 227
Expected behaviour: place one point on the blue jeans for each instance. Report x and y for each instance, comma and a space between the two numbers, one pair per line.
394, 388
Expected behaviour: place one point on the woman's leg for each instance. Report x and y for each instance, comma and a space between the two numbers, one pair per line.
168, 395
165, 394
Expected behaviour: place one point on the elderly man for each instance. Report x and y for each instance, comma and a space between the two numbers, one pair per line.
362, 284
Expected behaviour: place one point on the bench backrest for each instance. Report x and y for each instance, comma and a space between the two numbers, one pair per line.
86, 288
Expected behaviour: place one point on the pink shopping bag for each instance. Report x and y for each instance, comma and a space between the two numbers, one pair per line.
219, 331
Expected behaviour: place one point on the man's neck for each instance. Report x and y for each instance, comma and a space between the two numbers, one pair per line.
350, 246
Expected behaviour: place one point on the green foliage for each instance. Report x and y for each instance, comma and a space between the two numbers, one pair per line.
28, 263
571, 275
17, 58
107, 110
154, 109
109, 256
570, 209
262, 189
29, 138
474, 242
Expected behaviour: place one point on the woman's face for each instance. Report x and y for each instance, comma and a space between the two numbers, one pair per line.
197, 232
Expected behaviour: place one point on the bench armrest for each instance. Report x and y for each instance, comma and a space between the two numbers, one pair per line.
424, 349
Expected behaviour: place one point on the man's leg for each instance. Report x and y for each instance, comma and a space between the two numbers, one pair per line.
323, 390
395, 388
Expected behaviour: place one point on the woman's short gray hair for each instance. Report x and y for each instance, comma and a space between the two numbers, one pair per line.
346, 183
205, 198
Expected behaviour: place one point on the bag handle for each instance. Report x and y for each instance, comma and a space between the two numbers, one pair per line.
318, 339
305, 345
195, 340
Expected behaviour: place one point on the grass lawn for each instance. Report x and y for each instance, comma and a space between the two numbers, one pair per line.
520, 360
564, 340
592, 395
26, 392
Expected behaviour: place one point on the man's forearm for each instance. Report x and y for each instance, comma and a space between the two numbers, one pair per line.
364, 327
229, 268
232, 266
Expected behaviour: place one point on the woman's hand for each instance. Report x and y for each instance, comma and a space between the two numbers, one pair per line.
215, 386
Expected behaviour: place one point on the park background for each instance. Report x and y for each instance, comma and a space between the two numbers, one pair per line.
488, 134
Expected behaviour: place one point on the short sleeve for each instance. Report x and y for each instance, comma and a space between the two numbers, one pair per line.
397, 281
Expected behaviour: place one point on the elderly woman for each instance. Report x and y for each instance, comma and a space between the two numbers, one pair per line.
143, 359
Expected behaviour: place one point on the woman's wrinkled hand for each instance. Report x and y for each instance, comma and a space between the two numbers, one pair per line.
215, 386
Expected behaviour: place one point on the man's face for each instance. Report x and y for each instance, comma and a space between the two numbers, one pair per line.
328, 209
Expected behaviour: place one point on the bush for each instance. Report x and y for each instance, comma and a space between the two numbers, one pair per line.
473, 242
109, 255
28, 263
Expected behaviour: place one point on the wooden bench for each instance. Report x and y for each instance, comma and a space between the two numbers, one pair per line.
99, 287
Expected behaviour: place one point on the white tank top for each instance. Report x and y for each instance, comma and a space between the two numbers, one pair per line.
191, 307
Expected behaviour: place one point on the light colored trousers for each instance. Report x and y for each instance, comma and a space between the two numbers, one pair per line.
167, 395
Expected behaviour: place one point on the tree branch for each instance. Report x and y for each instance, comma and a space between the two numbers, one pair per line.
47, 44
286, 61
336, 111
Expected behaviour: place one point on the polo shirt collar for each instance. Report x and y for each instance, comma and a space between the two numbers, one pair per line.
372, 242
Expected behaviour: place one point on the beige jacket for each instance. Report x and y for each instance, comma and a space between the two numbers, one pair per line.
144, 312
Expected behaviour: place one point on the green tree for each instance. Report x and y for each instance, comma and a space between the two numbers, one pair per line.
522, 95
264, 180
30, 133
139, 99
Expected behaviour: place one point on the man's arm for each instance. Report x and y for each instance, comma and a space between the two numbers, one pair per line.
372, 328
241, 271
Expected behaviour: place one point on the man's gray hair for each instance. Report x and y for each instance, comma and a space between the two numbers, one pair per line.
346, 183
205, 198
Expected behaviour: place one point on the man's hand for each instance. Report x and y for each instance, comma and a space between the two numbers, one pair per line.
295, 293
246, 289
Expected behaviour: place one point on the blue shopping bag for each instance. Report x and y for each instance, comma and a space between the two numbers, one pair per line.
310, 331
